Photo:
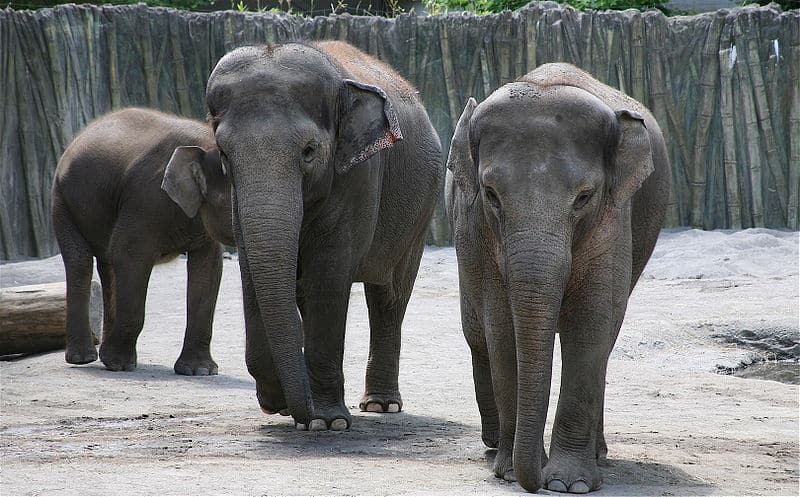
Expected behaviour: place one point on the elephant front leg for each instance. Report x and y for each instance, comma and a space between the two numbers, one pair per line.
502, 350
323, 307
573, 448
481, 375
204, 271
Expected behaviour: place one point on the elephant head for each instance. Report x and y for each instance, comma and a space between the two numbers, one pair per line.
196, 180
290, 127
545, 168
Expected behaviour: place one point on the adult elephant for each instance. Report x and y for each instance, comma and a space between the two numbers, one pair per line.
336, 171
108, 204
557, 190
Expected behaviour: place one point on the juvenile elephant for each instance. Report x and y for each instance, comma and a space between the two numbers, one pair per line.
557, 188
336, 170
108, 203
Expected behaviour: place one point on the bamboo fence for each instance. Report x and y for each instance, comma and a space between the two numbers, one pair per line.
725, 87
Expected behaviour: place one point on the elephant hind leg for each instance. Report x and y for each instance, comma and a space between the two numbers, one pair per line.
132, 259
78, 263
106, 272
387, 307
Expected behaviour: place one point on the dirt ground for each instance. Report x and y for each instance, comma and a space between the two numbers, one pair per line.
673, 426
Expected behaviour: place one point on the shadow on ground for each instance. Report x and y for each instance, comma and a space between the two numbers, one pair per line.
631, 472
149, 372
371, 435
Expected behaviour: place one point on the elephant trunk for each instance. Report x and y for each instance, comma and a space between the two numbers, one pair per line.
270, 216
537, 267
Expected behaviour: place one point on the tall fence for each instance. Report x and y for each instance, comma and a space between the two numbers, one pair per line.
724, 86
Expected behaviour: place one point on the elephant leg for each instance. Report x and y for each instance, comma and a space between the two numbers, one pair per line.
107, 281
481, 375
204, 271
503, 364
258, 354
78, 262
387, 307
601, 452
323, 307
577, 431
118, 347
502, 353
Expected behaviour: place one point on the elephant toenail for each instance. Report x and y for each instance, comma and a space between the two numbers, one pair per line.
202, 372
339, 424
393, 408
317, 425
579, 487
284, 412
300, 426
509, 476
374, 407
267, 411
557, 486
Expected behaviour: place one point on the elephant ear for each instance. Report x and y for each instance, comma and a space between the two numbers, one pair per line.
184, 179
367, 124
460, 161
633, 161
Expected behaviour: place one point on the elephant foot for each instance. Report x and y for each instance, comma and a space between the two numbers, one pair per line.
504, 465
81, 355
380, 402
271, 399
118, 358
565, 474
336, 418
196, 364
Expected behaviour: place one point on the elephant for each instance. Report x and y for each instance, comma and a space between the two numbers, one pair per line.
556, 190
336, 171
137, 187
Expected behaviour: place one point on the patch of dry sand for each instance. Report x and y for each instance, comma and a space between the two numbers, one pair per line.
673, 426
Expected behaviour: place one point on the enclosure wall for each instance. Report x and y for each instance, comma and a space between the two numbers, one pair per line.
724, 86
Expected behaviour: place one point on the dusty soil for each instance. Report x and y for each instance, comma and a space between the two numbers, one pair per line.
673, 426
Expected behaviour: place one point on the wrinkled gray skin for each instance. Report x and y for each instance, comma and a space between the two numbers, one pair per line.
108, 204
557, 189
323, 198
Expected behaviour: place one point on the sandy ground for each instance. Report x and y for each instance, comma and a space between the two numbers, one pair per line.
673, 426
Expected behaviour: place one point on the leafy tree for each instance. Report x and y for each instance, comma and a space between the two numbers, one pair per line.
488, 6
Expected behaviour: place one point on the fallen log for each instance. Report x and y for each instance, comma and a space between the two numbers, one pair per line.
33, 317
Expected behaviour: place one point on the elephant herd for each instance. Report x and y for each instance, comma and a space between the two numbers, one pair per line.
320, 164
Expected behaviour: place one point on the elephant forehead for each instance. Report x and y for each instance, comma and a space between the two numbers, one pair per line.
291, 57
564, 107
547, 123
273, 81
291, 68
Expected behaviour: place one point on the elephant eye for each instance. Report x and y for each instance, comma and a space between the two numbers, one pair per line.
309, 152
583, 199
492, 198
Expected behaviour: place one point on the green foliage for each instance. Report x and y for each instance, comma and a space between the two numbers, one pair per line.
488, 6
785, 4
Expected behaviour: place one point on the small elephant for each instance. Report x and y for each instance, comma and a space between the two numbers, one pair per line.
557, 189
108, 203
336, 171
